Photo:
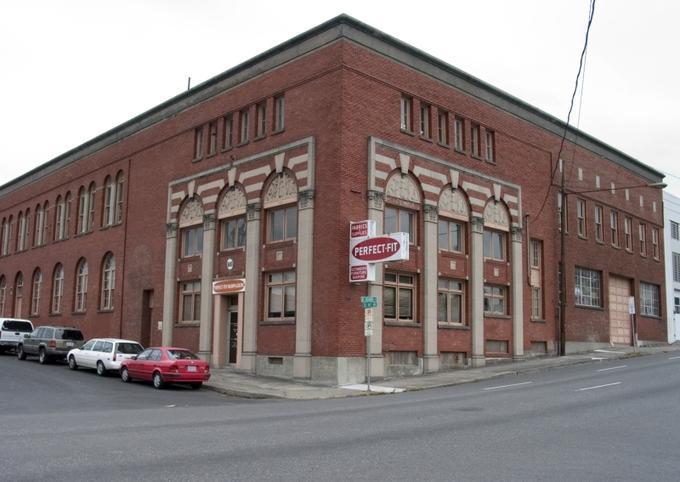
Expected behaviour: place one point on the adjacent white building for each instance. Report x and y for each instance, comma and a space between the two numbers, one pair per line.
671, 214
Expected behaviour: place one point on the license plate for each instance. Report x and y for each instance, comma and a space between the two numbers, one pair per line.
70, 343
191, 368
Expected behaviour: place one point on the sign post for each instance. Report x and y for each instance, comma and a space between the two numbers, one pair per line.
633, 324
368, 302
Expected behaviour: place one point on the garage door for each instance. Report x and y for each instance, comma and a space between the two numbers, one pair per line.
619, 319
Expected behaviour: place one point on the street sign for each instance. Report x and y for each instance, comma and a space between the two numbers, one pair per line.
631, 305
368, 322
369, 302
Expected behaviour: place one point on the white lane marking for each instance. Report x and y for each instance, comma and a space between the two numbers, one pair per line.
597, 358
612, 368
507, 386
598, 386
674, 357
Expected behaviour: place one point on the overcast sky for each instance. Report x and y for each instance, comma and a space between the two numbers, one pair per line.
73, 69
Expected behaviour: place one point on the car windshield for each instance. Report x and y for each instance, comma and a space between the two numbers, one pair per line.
129, 348
66, 334
17, 325
181, 355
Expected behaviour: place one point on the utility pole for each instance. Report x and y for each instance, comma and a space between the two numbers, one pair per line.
563, 268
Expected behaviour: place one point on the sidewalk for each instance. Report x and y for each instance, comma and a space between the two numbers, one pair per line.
235, 383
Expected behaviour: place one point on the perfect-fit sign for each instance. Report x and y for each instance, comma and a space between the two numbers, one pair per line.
366, 249
229, 286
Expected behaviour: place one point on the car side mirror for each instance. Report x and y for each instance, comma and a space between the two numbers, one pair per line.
134, 357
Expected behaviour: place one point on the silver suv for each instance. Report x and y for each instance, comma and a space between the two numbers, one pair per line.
12, 331
50, 343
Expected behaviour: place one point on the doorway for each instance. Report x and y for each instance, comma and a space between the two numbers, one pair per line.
232, 324
619, 319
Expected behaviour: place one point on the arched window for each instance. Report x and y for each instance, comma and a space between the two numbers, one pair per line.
45, 226
119, 197
39, 225
22, 231
3, 295
59, 219
109, 201
67, 215
18, 294
81, 287
57, 288
232, 216
280, 203
108, 282
5, 235
91, 193
191, 228
35, 292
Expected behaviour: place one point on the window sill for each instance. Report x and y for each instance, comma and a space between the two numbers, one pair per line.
584, 238
226, 149
281, 243
476, 157
197, 159
405, 131
278, 131
211, 155
651, 317
538, 320
425, 138
585, 307
195, 257
490, 161
460, 151
445, 145
187, 324
497, 316
277, 322
259, 138
242, 143
406, 324
230, 250
78, 313
452, 326
108, 310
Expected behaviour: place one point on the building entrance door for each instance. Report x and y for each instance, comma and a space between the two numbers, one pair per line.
147, 317
232, 321
619, 319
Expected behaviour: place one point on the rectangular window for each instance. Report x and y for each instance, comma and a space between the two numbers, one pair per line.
490, 146
675, 230
475, 140
425, 120
494, 300
458, 125
227, 131
628, 233
261, 119
279, 113
451, 236
234, 233
281, 295
198, 142
614, 227
212, 139
450, 301
536, 278
598, 224
581, 216
191, 301
676, 304
676, 267
192, 241
398, 297
649, 300
283, 223
406, 113
587, 288
642, 233
655, 243
494, 245
443, 128
401, 221
244, 120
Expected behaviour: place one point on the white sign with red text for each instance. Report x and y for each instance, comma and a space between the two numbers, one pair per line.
366, 249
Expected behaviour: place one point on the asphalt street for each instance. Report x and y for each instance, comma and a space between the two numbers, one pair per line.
612, 420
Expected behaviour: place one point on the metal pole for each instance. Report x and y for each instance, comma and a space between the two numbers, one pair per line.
368, 362
563, 268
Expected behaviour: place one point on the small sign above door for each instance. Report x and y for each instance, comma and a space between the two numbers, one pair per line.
229, 286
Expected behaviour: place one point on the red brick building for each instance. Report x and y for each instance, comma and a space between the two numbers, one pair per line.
254, 176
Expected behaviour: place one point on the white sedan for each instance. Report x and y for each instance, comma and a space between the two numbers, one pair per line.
103, 354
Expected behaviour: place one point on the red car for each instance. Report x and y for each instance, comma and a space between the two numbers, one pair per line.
166, 364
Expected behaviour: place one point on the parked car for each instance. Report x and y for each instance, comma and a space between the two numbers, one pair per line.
162, 365
103, 354
50, 343
12, 331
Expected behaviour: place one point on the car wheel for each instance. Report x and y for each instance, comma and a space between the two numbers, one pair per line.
125, 375
42, 357
196, 386
21, 354
157, 380
72, 363
101, 369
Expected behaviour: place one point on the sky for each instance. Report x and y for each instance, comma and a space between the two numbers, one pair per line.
73, 69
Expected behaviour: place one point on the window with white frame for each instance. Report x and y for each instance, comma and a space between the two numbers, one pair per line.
36, 288
192, 241
398, 297
80, 301
599, 232
581, 217
494, 244
57, 289
628, 233
280, 289
118, 217
450, 301
22, 233
490, 146
108, 282
675, 230
406, 113
19, 295
244, 122
451, 235
191, 300
536, 278
443, 127
39, 226
588, 287
649, 300
282, 223
212, 138
676, 267
228, 131
614, 228
279, 113
459, 133
642, 234
198, 143
399, 220
475, 139
261, 119
495, 300
655, 243
5, 236
425, 120
59, 219
109, 201
233, 232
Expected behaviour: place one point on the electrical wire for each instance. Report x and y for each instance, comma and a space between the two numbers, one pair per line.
571, 106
